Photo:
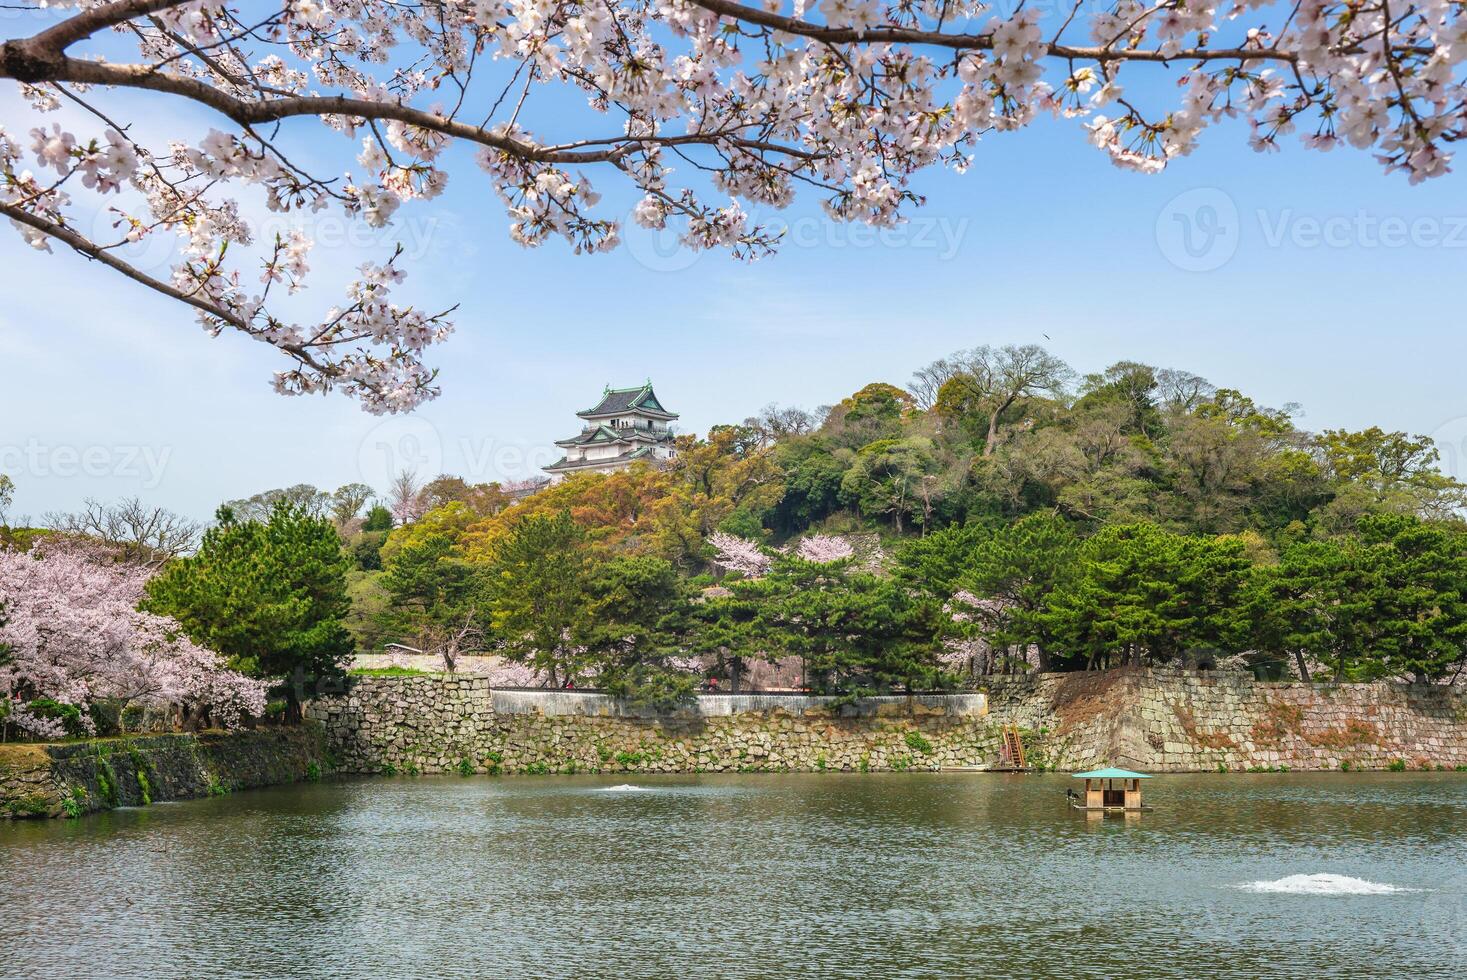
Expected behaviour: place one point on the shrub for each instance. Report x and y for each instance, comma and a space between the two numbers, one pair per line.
69, 716
917, 742
465, 767
72, 805
1397, 765
388, 672
313, 772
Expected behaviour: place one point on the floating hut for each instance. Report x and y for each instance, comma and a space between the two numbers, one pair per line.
1110, 789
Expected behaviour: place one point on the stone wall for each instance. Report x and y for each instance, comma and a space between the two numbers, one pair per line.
441, 724
70, 778
1159, 720
1152, 720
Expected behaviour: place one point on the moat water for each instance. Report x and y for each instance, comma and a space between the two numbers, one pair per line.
812, 876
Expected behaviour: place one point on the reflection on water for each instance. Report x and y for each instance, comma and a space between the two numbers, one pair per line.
950, 875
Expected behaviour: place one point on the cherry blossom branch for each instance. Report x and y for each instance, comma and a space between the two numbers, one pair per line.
85, 247
852, 103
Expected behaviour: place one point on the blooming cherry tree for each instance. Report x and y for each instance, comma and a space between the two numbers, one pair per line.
748, 558
824, 548
73, 634
736, 554
703, 109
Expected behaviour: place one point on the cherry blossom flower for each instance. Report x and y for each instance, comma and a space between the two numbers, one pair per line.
705, 111
75, 636
736, 554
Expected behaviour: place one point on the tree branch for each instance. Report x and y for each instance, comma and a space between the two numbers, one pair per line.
95, 252
980, 42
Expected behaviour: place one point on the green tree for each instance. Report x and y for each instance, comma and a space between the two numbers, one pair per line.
1418, 581
1374, 471
379, 518
303, 496
540, 591
981, 386
812, 482
890, 478
855, 633
1020, 567
7, 494
347, 502
1145, 595
270, 595
438, 599
1130, 387
938, 561
1388, 602
635, 630
1314, 607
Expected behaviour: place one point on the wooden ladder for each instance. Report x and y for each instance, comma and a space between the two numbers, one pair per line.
1013, 746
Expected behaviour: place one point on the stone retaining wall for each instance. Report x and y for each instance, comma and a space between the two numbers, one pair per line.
71, 778
440, 724
1152, 720
1160, 720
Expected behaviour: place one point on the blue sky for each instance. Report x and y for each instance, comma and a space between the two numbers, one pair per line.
110, 391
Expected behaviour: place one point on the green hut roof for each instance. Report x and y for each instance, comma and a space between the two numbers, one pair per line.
1111, 774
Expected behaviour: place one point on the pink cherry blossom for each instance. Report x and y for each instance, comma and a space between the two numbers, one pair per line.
706, 112
736, 554
824, 548
75, 636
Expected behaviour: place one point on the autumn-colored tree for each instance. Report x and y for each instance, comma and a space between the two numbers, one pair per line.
728, 478
616, 511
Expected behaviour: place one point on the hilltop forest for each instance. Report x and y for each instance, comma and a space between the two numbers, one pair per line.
998, 513
1021, 514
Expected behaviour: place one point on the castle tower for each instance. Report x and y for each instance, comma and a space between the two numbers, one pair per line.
629, 424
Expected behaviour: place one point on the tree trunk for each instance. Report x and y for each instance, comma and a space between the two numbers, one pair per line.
1303, 666
992, 440
295, 695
